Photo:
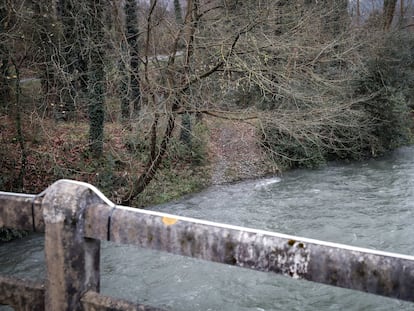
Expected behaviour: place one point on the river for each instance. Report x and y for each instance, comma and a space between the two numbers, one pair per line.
368, 204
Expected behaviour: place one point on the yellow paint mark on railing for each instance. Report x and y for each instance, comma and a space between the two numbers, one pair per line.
169, 221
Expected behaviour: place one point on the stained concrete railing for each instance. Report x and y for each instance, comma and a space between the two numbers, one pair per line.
75, 217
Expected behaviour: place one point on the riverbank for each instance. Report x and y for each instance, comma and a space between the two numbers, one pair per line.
222, 151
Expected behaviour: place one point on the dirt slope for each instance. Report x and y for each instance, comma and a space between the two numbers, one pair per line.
234, 152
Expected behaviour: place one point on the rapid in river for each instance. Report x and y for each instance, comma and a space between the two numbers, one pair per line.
368, 204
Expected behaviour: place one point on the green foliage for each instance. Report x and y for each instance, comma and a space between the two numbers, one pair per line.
171, 184
108, 175
137, 145
194, 153
185, 133
389, 84
7, 234
289, 151
182, 171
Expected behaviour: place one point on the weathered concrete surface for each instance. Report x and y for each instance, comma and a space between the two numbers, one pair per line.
381, 273
72, 261
22, 295
98, 221
92, 301
21, 211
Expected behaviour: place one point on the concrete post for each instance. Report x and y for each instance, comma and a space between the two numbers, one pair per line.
72, 261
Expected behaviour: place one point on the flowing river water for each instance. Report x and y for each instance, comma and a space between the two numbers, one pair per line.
367, 204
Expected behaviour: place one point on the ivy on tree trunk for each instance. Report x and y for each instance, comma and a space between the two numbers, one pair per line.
131, 84
96, 78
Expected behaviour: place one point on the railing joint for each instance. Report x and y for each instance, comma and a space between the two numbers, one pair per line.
108, 237
34, 201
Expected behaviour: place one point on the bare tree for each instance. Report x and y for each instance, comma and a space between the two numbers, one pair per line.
171, 84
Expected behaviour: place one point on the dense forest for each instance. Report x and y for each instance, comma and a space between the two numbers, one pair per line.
121, 94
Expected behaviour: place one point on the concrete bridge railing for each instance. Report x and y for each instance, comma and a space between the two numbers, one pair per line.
75, 217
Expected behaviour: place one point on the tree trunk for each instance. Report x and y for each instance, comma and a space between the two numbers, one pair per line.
4, 80
73, 60
191, 24
389, 12
124, 84
154, 161
46, 35
97, 77
132, 34
4, 59
19, 130
178, 12
358, 12
185, 133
